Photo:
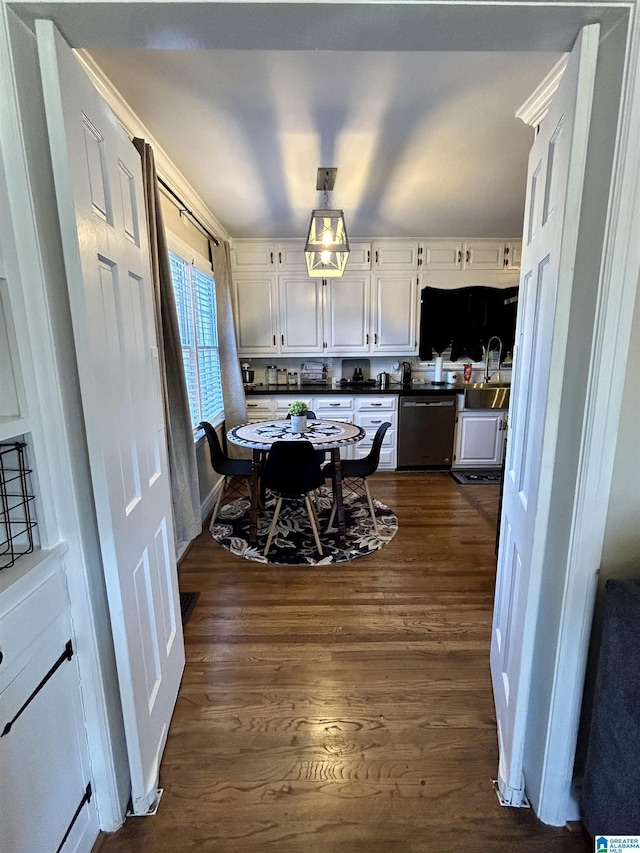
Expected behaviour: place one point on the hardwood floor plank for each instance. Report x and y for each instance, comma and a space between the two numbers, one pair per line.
347, 707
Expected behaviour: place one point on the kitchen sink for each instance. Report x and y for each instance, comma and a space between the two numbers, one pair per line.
486, 395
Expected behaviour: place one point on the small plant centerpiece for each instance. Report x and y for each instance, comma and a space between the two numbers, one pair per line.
298, 411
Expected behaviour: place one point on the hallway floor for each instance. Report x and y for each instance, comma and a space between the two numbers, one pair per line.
345, 707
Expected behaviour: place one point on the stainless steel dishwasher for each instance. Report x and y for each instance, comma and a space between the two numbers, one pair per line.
425, 431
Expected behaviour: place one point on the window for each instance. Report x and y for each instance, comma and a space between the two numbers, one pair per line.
195, 293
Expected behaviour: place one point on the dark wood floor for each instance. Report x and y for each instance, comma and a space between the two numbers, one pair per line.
348, 707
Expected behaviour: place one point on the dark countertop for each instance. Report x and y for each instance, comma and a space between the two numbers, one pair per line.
316, 390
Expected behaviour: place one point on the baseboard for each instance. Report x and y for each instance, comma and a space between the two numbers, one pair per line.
210, 501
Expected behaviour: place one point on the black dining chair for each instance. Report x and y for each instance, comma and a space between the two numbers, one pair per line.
356, 471
236, 472
292, 470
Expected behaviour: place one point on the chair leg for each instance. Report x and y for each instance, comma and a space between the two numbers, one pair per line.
371, 508
219, 500
332, 516
314, 527
272, 529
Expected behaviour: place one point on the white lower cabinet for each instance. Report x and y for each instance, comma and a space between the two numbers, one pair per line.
371, 412
366, 410
260, 408
46, 787
480, 438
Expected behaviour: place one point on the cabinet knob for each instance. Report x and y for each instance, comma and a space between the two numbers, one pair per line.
271, 256
467, 256
282, 339
459, 255
367, 339
376, 256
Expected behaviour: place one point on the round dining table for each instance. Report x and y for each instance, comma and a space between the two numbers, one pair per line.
323, 435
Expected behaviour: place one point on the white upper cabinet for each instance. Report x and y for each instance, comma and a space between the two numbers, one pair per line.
513, 253
394, 314
484, 255
359, 257
253, 256
442, 255
480, 255
301, 327
290, 256
256, 310
346, 312
395, 255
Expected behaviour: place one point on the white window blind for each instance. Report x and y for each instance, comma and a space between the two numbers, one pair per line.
195, 295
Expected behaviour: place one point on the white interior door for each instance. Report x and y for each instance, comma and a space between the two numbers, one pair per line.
554, 194
101, 207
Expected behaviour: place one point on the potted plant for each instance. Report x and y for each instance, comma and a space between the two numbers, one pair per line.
298, 411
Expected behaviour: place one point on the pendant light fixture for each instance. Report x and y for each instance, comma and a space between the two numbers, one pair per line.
327, 247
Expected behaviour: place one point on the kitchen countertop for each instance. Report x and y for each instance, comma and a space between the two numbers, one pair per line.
417, 388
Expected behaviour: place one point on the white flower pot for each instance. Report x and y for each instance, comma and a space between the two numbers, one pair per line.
299, 423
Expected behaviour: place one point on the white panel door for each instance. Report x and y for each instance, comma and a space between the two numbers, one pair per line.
101, 207
554, 195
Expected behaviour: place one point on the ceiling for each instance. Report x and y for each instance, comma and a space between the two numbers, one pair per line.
426, 143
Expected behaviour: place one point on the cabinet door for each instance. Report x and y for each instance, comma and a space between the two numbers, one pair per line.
300, 314
253, 256
394, 314
256, 314
346, 315
513, 253
291, 257
479, 439
359, 257
442, 255
484, 254
395, 255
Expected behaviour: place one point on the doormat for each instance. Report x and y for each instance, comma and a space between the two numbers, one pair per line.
489, 477
187, 603
293, 543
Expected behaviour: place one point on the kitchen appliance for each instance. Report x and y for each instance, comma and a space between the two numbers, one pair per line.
384, 380
425, 431
248, 376
406, 372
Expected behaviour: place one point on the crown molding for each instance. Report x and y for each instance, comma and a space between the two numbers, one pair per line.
133, 126
536, 106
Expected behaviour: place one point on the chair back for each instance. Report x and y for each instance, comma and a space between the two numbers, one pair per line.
216, 452
292, 468
369, 465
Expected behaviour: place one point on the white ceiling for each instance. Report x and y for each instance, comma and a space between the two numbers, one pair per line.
426, 144
412, 100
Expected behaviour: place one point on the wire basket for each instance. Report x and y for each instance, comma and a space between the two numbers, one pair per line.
16, 521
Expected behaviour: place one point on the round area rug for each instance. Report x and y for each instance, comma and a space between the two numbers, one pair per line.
293, 543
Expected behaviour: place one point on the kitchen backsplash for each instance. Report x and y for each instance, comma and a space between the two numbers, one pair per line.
419, 369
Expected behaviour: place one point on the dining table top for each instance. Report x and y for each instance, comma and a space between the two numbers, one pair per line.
323, 434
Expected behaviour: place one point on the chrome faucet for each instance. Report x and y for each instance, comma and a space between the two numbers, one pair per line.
487, 354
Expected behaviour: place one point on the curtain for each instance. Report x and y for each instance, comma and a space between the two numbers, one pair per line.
235, 404
183, 471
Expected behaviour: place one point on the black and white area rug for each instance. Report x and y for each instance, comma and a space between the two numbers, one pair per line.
293, 543
489, 477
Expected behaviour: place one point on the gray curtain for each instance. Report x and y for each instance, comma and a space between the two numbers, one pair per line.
185, 491
235, 404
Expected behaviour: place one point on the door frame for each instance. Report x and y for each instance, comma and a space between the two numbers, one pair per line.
618, 282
